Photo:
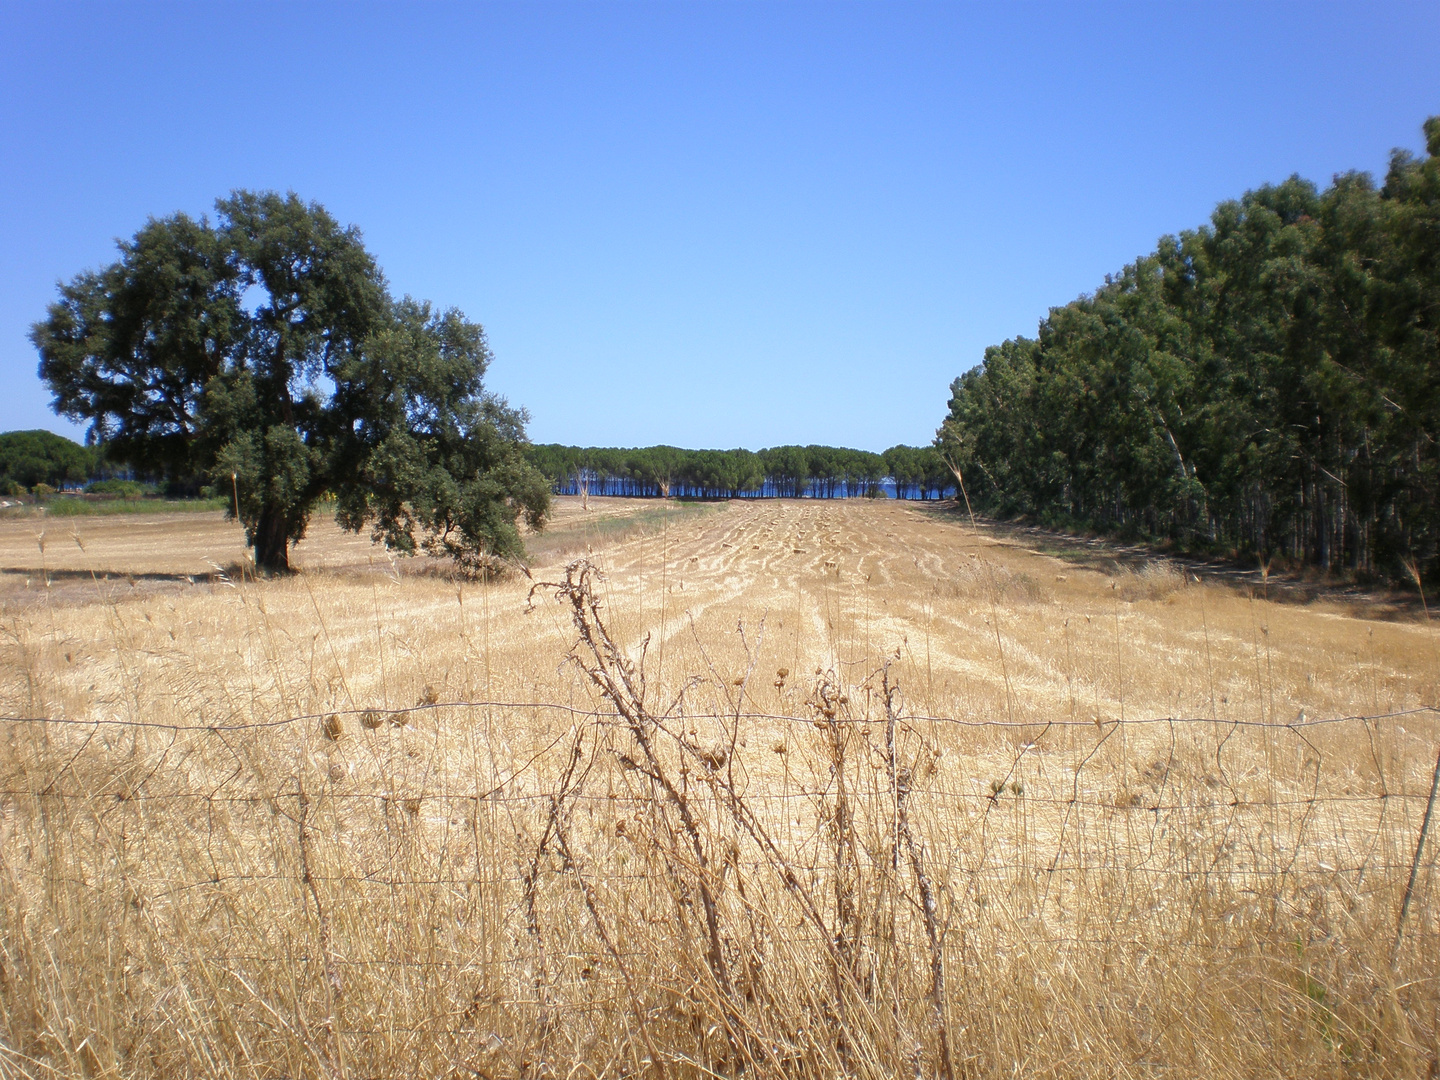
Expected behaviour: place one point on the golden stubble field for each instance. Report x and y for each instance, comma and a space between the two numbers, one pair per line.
784, 788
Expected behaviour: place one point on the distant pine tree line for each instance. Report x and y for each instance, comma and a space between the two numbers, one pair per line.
917, 472
1267, 384
44, 460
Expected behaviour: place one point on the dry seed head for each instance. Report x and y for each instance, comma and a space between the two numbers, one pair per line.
398, 719
370, 719
715, 757
332, 727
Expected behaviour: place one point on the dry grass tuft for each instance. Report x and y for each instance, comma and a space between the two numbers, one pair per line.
1155, 580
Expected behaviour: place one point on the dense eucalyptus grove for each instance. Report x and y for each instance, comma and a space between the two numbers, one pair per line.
262, 353
792, 471
1268, 383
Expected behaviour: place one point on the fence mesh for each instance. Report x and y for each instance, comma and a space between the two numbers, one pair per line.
510, 888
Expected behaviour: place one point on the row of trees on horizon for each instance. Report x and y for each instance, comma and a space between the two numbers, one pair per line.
1268, 383
41, 460
916, 472
31, 460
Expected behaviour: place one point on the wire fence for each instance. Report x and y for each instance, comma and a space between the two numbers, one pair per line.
494, 887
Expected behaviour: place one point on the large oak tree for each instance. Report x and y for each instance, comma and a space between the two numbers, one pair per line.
262, 352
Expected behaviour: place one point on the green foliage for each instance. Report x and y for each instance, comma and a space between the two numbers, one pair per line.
1266, 383
29, 458
431, 449
918, 471
72, 507
126, 489
262, 355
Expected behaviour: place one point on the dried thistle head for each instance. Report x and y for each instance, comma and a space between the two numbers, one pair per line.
370, 719
332, 727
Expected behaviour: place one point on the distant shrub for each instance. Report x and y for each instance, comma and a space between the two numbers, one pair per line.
126, 489
1155, 580
42, 489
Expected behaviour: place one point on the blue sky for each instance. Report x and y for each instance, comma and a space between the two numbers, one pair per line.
705, 224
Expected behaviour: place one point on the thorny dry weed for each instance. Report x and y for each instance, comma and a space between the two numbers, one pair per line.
784, 789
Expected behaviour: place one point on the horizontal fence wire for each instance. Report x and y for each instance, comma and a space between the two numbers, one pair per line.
407, 828
581, 712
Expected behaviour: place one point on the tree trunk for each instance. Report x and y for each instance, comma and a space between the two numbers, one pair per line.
272, 542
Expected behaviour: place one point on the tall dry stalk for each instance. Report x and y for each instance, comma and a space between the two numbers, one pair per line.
900, 780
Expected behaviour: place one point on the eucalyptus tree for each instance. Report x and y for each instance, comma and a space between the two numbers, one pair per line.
1266, 383
1408, 319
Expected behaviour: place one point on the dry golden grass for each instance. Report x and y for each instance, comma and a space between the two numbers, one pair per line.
369, 821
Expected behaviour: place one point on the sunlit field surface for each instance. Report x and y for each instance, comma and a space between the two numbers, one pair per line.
777, 788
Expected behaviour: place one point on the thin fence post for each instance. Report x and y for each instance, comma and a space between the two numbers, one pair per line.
1415, 866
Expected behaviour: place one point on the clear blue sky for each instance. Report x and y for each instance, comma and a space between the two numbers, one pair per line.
706, 224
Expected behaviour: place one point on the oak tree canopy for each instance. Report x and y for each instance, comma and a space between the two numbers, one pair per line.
262, 352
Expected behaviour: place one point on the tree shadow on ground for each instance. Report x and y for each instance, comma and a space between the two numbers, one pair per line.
1109, 556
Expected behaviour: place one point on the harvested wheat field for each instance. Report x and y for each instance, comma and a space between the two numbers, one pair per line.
779, 788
